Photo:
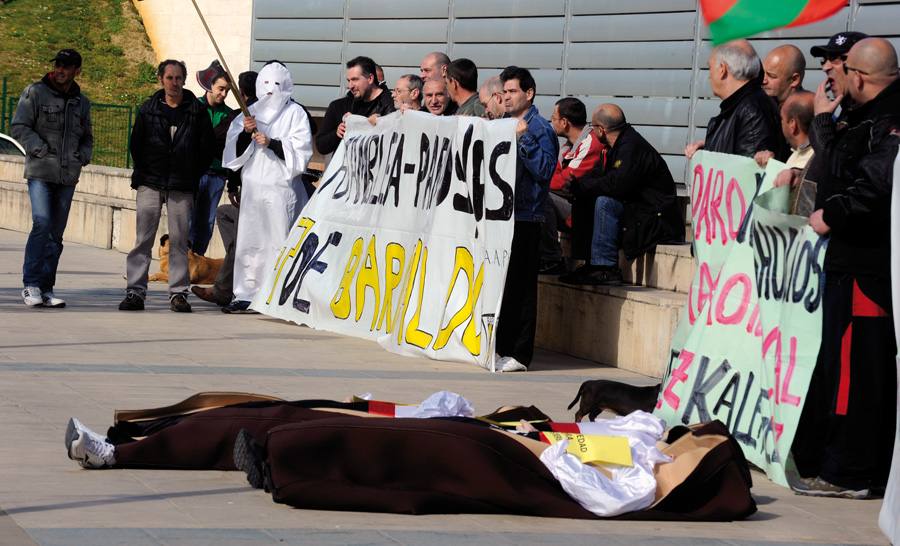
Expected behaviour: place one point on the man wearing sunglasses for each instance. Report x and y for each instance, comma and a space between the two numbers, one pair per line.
839, 449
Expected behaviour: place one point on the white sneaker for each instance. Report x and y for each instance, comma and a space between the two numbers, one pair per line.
52, 301
510, 364
32, 296
87, 447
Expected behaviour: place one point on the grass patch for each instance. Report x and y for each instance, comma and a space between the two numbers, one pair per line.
107, 33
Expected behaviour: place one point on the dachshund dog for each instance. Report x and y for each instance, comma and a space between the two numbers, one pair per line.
203, 270
620, 398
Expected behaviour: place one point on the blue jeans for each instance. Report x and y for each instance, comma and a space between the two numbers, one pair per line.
204, 217
50, 205
605, 239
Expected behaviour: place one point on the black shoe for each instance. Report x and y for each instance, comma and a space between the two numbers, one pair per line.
179, 303
552, 268
132, 302
239, 307
250, 458
594, 275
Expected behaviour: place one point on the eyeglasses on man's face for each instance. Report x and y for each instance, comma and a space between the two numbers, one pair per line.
848, 68
834, 59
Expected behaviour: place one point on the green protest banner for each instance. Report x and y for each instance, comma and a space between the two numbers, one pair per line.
747, 341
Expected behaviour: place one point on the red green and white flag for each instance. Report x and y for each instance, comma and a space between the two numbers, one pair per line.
732, 19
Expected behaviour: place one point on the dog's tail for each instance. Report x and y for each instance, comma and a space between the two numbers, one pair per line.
577, 396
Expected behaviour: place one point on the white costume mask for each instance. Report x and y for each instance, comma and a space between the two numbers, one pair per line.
273, 87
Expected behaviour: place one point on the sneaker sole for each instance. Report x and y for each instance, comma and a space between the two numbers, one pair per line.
71, 436
848, 494
57, 306
246, 460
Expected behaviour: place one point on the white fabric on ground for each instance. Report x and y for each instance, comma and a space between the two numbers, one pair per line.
630, 488
439, 404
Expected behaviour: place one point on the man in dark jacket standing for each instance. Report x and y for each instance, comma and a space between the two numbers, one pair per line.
748, 121
53, 123
845, 437
172, 145
364, 98
631, 199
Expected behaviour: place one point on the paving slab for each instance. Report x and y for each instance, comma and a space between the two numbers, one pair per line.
89, 359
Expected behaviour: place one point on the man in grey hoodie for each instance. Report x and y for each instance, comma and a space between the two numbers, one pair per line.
53, 123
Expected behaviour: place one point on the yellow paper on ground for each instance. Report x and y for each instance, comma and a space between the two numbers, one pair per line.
594, 448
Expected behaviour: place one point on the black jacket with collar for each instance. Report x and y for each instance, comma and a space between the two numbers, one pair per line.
748, 122
636, 175
167, 163
327, 140
855, 195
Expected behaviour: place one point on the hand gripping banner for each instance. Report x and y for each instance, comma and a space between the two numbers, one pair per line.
748, 339
406, 241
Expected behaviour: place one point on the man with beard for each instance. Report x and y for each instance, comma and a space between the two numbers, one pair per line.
53, 124
272, 148
364, 97
629, 203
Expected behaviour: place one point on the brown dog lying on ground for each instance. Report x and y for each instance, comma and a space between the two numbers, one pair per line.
203, 270
620, 398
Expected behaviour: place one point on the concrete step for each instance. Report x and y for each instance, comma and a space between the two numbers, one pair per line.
670, 267
629, 327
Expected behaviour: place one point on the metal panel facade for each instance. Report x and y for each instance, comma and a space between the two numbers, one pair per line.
649, 56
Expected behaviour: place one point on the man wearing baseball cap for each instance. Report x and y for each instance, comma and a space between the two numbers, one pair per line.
53, 123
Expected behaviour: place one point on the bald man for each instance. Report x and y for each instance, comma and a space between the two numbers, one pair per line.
491, 97
783, 71
840, 449
634, 194
748, 120
434, 66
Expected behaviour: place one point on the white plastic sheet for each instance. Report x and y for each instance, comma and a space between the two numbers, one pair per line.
630, 488
439, 404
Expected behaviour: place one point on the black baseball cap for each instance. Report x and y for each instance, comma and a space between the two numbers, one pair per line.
839, 44
67, 57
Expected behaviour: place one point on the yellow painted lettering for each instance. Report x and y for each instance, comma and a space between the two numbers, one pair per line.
394, 253
306, 223
368, 278
463, 264
340, 303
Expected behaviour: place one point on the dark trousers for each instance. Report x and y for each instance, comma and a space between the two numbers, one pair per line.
556, 211
205, 440
846, 431
203, 218
518, 312
227, 220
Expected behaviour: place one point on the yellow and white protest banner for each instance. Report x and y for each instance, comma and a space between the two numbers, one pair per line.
406, 241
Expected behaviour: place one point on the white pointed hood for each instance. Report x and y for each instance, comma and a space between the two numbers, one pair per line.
273, 89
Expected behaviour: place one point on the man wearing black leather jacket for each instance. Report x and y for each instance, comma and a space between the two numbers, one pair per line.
748, 120
840, 448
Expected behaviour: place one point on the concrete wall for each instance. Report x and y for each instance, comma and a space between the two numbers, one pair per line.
102, 213
175, 31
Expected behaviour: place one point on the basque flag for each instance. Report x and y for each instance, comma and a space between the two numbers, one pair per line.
732, 19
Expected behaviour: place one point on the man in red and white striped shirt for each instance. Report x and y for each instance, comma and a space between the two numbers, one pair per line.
581, 153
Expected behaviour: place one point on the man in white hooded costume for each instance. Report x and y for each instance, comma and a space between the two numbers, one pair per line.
272, 147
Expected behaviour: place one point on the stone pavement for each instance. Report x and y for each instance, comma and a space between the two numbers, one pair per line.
88, 359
